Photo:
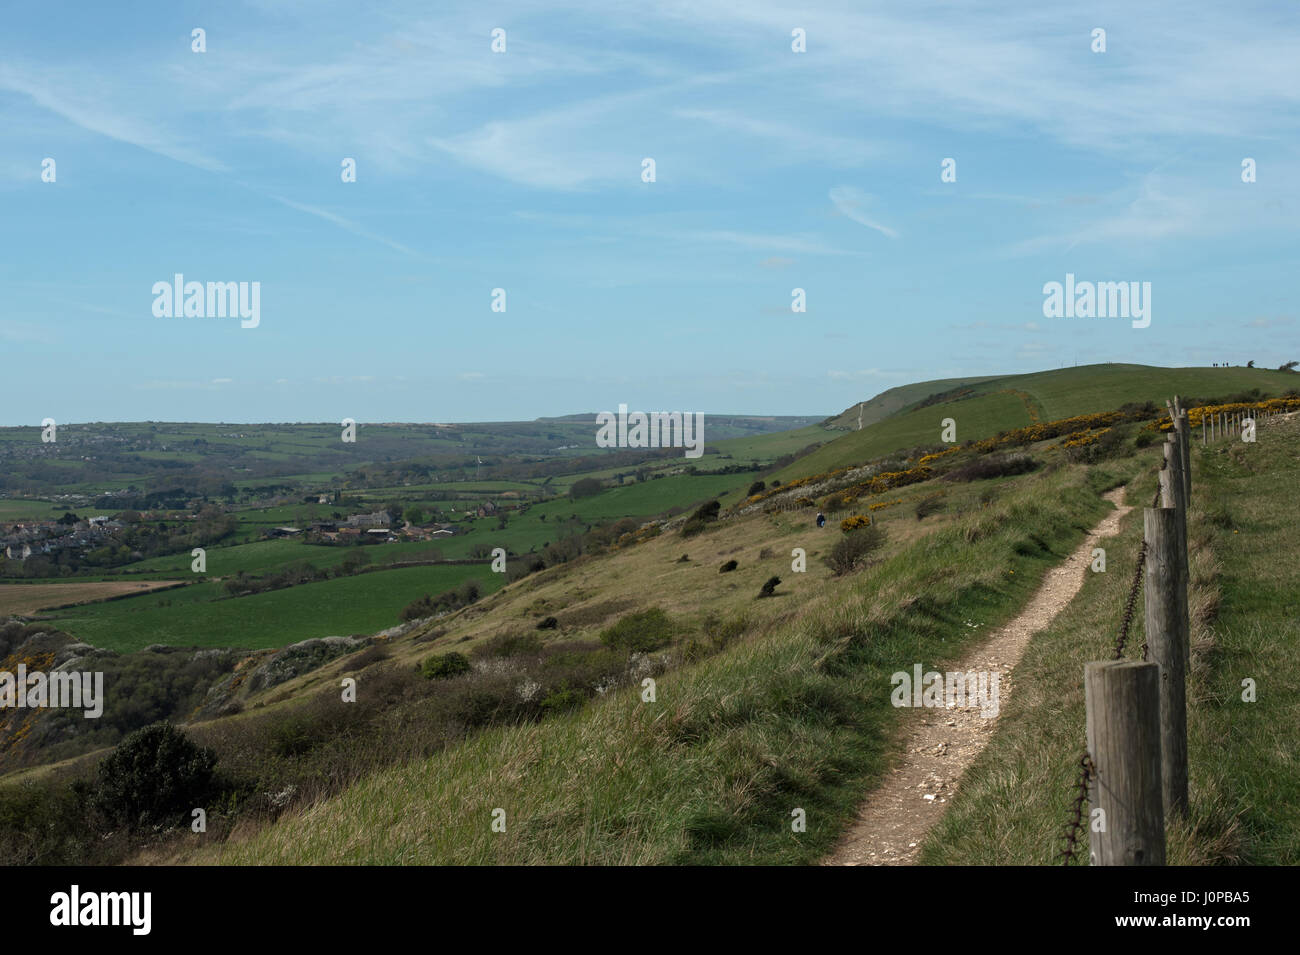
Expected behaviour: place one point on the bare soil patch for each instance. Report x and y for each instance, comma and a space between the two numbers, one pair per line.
29, 598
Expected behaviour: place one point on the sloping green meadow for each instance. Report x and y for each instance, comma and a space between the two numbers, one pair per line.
794, 715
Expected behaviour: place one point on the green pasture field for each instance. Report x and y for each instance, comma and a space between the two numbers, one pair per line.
193, 617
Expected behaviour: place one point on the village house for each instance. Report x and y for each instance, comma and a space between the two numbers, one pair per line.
377, 519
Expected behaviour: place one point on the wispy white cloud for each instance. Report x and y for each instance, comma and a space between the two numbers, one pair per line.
348, 225
26, 333
850, 202
82, 104
1163, 206
797, 141
807, 244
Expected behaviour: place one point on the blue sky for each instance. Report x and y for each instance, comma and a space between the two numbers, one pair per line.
522, 170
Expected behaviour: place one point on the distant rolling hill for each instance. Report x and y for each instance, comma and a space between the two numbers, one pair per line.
982, 407
894, 400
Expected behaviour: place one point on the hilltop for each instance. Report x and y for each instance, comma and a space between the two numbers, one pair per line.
982, 407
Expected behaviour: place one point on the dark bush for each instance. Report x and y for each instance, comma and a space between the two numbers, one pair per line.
586, 487
703, 516
639, 632
930, 504
442, 666
769, 588
758, 487
155, 776
992, 466
528, 564
547, 623
708, 511
464, 595
562, 699
852, 550
728, 567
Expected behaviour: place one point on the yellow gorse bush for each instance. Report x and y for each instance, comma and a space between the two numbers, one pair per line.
1196, 415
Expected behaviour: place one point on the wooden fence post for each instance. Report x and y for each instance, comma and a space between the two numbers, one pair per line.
1167, 645
1185, 447
1122, 701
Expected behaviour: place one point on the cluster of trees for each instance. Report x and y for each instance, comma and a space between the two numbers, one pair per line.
139, 540
429, 606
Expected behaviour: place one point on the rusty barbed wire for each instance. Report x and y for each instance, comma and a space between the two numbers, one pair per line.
1074, 827
1130, 604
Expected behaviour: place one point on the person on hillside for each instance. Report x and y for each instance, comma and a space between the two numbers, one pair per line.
821, 519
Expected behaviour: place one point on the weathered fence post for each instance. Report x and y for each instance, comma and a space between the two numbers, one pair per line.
1185, 439
1173, 490
1122, 700
1167, 645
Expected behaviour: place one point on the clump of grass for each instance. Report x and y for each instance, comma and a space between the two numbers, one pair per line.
639, 632
510, 644
930, 504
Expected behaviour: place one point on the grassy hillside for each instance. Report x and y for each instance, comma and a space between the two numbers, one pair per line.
792, 712
1243, 771
1014, 401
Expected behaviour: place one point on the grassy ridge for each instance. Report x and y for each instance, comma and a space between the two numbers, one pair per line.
1000, 405
889, 403
796, 715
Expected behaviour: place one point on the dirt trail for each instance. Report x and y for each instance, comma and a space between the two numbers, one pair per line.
943, 742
